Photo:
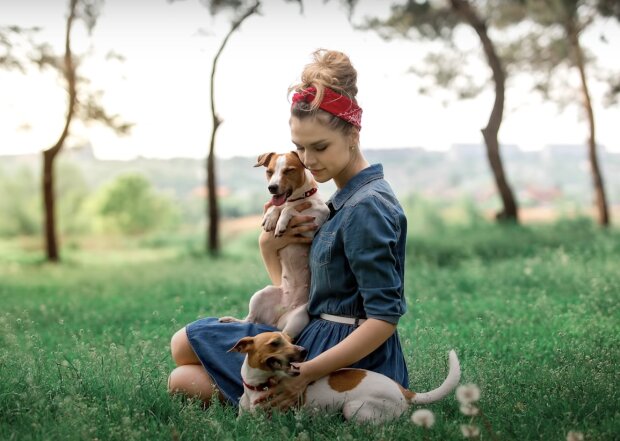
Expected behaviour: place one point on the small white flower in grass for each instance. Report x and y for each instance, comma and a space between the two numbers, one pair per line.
467, 393
469, 431
303, 436
574, 436
469, 410
424, 418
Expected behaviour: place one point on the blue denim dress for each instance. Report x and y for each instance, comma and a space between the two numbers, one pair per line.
357, 263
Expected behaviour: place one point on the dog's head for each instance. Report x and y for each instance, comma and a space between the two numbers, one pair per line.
285, 173
271, 351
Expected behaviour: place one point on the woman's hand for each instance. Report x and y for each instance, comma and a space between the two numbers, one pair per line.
286, 394
269, 243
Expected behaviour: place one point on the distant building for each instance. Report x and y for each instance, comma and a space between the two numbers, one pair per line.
80, 153
202, 192
573, 152
461, 152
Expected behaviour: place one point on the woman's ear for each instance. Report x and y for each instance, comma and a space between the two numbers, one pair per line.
354, 138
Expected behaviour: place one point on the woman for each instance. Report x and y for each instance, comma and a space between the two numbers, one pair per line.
356, 258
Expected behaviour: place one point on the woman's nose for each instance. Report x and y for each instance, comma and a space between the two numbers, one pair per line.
307, 159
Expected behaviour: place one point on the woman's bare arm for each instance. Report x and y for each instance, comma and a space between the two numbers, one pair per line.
364, 340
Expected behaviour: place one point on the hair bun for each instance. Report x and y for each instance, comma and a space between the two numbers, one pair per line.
331, 69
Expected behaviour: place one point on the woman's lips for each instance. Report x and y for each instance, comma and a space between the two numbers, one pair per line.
316, 172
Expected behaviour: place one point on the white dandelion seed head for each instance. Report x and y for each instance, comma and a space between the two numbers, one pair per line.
574, 436
303, 436
467, 393
469, 410
424, 418
470, 431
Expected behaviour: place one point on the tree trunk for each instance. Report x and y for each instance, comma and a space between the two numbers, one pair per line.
597, 178
213, 243
51, 242
490, 132
213, 216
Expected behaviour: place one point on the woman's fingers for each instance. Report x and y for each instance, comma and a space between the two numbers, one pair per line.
275, 402
265, 401
299, 220
303, 206
294, 231
268, 204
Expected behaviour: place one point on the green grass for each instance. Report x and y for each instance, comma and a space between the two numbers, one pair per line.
532, 313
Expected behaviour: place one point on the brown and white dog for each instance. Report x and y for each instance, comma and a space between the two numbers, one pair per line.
361, 395
291, 184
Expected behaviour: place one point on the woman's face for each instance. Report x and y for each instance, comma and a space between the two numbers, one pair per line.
325, 152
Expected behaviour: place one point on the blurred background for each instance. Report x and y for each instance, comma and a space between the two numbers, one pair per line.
107, 113
128, 134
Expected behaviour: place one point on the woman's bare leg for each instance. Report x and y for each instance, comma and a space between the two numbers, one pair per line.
182, 352
189, 377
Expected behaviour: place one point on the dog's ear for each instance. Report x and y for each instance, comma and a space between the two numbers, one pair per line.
294, 152
243, 345
264, 159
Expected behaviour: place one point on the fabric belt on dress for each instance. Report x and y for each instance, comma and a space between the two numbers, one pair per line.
341, 319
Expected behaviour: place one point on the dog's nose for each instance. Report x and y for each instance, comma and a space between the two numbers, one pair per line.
273, 189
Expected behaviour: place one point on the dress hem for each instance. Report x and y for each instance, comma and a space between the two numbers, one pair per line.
230, 401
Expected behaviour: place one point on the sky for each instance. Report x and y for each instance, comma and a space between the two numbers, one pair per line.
162, 87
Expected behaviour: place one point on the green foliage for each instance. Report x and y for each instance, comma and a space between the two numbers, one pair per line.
609, 8
545, 52
72, 193
532, 313
128, 205
242, 205
20, 203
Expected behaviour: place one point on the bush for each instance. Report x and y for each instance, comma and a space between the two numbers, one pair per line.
128, 205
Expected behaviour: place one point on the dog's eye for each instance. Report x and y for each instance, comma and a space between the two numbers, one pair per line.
275, 343
269, 173
288, 170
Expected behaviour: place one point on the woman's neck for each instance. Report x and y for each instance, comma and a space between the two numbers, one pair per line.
356, 165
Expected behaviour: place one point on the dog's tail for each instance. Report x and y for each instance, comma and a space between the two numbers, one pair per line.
448, 385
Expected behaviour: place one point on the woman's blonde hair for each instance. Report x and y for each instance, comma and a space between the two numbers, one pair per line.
331, 69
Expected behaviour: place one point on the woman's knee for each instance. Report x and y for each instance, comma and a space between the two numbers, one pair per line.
192, 381
182, 352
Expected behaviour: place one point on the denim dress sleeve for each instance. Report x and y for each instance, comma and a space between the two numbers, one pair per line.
373, 246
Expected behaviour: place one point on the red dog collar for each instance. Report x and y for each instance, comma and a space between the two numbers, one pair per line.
261, 387
306, 195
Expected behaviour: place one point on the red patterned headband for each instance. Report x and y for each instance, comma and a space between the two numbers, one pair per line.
334, 103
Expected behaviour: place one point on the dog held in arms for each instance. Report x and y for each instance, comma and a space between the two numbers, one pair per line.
359, 394
291, 184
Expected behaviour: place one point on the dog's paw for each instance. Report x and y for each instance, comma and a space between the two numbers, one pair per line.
281, 226
269, 222
228, 319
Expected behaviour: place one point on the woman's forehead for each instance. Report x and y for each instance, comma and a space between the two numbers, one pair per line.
310, 131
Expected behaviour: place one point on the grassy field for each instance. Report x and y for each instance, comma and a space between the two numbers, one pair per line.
533, 313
